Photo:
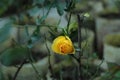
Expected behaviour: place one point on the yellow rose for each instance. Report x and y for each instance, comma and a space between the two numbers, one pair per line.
63, 45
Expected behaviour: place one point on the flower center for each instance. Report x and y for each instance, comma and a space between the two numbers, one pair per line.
65, 48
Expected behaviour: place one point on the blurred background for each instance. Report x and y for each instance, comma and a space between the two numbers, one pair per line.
28, 28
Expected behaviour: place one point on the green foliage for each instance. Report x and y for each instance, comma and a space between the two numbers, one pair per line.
12, 6
70, 5
117, 75
60, 7
112, 74
41, 20
4, 4
38, 2
73, 27
1, 75
14, 55
4, 32
117, 2
34, 38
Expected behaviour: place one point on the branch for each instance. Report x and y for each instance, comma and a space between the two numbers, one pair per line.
19, 68
79, 44
68, 23
50, 66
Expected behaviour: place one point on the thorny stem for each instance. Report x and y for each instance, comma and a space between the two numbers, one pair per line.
39, 77
97, 70
61, 77
68, 23
47, 12
74, 57
49, 61
19, 68
79, 34
31, 62
79, 44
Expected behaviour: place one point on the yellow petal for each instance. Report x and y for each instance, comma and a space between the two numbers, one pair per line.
63, 45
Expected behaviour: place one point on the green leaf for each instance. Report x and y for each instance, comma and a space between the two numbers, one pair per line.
4, 32
70, 5
73, 27
13, 56
117, 75
38, 2
40, 20
1, 75
60, 8
3, 6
